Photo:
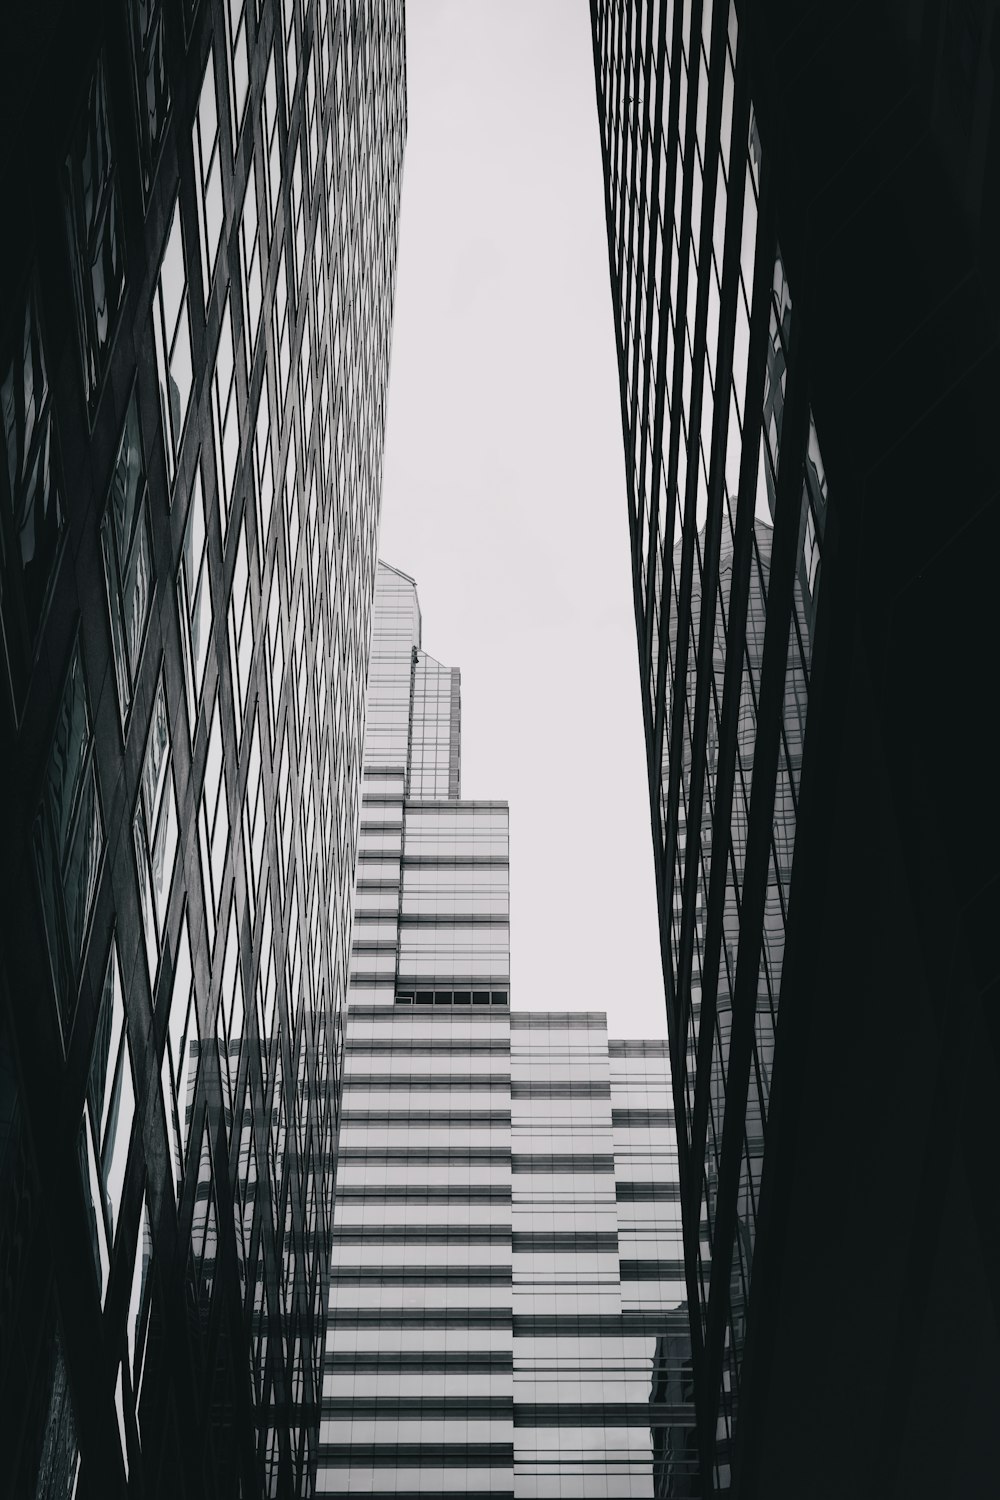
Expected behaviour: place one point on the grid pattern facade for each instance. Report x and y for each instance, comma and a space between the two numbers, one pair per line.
727, 499
500, 1323
193, 370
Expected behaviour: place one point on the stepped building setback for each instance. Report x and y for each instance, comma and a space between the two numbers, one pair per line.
507, 1287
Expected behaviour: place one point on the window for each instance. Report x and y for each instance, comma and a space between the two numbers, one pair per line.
229, 1019
265, 991
265, 477
291, 52
275, 653
213, 823
69, 842
203, 1227
283, 812
298, 214
106, 1128
225, 418
240, 631
250, 263
155, 831
208, 175
194, 599
137, 1326
97, 242
128, 568
282, 341
172, 336
292, 506
272, 144
151, 86
254, 822
239, 61
179, 1073
31, 507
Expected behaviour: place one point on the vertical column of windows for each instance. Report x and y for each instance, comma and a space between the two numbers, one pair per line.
96, 237
32, 518
213, 824
208, 175
238, 36
152, 86
127, 547
179, 1070
241, 641
251, 268
155, 831
194, 599
106, 1128
172, 340
225, 415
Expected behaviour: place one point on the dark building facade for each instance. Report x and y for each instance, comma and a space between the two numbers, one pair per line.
803, 213
201, 207
507, 1286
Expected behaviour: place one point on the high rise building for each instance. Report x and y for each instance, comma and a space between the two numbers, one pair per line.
798, 211
201, 208
506, 1295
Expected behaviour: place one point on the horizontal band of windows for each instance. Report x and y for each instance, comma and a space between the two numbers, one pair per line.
443, 1234
453, 1361
434, 1082
421, 1275
419, 1317
560, 1242
652, 1270
638, 1049
455, 862
559, 1020
656, 1323
605, 1414
563, 1088
331, 1492
417, 1118
633, 1119
453, 997
387, 825
440, 1046
377, 885
416, 1455
648, 1192
454, 811
562, 1161
453, 919
421, 1408
426, 1154
486, 1193
391, 1017
372, 979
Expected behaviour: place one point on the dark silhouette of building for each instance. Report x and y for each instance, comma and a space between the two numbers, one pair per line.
803, 211
200, 220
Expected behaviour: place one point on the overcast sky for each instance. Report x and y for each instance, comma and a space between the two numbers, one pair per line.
504, 485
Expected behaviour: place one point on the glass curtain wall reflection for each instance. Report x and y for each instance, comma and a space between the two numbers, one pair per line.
727, 500
199, 276
500, 1319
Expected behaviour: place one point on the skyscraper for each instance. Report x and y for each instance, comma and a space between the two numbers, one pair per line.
787, 197
500, 1320
201, 207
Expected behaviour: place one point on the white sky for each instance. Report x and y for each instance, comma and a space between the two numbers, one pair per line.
504, 485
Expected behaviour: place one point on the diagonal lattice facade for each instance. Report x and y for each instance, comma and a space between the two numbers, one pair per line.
194, 358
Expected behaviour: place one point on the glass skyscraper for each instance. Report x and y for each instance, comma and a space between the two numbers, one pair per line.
201, 208
771, 255
507, 1287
